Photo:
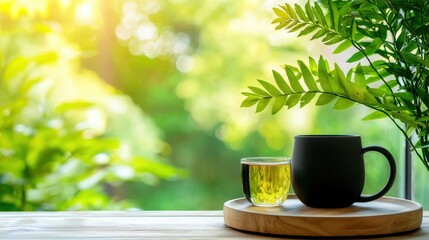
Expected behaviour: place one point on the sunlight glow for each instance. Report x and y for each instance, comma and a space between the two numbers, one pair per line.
84, 14
184, 63
147, 31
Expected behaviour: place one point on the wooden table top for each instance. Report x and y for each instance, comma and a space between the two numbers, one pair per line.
136, 225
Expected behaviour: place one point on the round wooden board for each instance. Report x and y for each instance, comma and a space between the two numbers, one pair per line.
385, 215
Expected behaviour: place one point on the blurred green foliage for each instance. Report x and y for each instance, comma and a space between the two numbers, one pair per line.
135, 91
62, 141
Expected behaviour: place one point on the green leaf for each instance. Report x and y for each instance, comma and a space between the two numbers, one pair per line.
356, 57
373, 46
399, 70
309, 11
306, 98
248, 94
341, 80
329, 36
377, 92
308, 77
319, 34
279, 103
290, 11
262, 104
313, 66
323, 75
270, 88
360, 76
297, 27
412, 58
259, 91
282, 24
300, 13
370, 99
355, 92
353, 29
293, 80
333, 11
401, 39
406, 96
424, 96
342, 47
343, 103
325, 99
307, 30
374, 115
392, 107
405, 118
248, 102
292, 100
334, 40
320, 16
280, 13
281, 83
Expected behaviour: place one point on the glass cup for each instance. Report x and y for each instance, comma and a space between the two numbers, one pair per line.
266, 181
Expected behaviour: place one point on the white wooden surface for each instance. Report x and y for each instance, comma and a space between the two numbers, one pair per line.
135, 225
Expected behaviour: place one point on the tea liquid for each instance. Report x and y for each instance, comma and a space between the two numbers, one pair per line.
266, 184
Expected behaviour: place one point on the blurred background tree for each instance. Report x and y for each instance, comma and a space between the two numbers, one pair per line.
136, 103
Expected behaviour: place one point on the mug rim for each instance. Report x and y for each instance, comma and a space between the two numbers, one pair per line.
327, 136
266, 160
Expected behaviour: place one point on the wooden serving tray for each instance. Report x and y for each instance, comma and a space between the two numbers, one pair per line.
385, 215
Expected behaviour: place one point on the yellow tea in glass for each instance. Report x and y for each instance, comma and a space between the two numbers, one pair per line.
266, 180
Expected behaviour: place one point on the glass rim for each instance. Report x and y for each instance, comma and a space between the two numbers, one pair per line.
266, 160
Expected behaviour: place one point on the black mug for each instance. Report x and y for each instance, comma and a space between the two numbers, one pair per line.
328, 171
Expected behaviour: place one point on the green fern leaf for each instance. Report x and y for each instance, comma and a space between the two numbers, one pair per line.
306, 99
300, 13
281, 83
342, 47
309, 12
280, 13
293, 80
262, 104
308, 77
292, 100
355, 92
356, 57
342, 104
336, 81
248, 102
297, 27
319, 15
279, 103
334, 15
289, 10
270, 88
334, 40
307, 30
322, 32
247, 94
259, 91
313, 66
323, 75
325, 99
374, 115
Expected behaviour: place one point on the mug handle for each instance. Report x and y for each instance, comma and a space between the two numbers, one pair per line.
392, 165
